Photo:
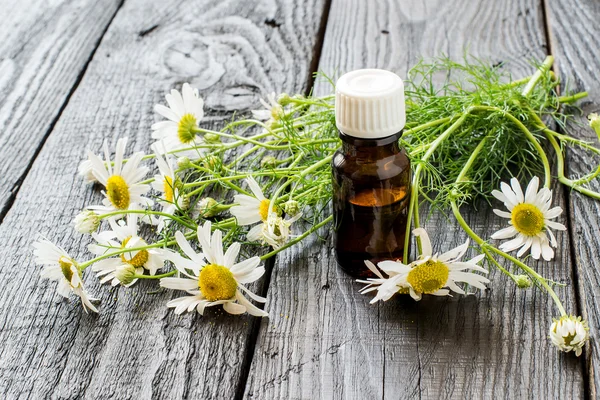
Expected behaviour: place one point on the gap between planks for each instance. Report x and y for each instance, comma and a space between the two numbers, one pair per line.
16, 187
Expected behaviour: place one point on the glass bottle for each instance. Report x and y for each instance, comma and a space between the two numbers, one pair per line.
371, 172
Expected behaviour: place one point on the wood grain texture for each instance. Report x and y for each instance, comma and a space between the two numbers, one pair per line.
44, 48
574, 35
136, 348
325, 341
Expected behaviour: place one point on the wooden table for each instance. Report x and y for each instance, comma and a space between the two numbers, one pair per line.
75, 72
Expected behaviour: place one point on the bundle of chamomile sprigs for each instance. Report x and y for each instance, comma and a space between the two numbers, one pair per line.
218, 198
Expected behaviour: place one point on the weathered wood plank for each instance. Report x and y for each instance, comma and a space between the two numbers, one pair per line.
574, 36
136, 348
325, 341
44, 49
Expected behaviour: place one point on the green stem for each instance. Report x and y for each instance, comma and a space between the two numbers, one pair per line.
417, 176
418, 128
165, 275
565, 138
148, 212
538, 74
274, 172
298, 239
560, 163
572, 98
470, 161
237, 137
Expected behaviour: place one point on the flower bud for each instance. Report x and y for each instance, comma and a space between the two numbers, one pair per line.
208, 207
183, 202
569, 333
86, 221
183, 162
268, 162
291, 207
522, 281
212, 138
284, 99
125, 274
594, 119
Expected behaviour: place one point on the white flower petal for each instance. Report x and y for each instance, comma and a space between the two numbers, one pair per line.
516, 187
505, 233
513, 244
234, 308
167, 112
425, 242
179, 283
373, 268
510, 196
250, 308
536, 248
502, 214
255, 188
532, 190
455, 253
553, 212
555, 225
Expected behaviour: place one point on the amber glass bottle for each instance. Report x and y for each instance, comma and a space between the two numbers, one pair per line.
371, 172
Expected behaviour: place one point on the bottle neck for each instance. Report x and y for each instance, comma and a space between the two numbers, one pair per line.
375, 148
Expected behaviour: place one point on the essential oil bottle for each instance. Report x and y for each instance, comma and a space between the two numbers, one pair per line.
371, 172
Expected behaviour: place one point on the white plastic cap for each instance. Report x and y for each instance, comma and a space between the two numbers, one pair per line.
369, 103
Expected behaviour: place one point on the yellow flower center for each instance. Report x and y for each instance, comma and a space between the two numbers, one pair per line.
527, 219
569, 338
217, 283
185, 129
428, 277
118, 192
65, 266
139, 259
169, 188
263, 209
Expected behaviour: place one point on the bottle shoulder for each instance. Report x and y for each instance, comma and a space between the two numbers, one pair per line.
357, 167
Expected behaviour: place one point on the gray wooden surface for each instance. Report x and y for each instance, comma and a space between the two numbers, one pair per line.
75, 72
574, 40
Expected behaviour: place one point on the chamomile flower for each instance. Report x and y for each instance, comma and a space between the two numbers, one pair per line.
275, 231
166, 183
569, 333
213, 277
430, 274
272, 113
184, 113
63, 269
251, 209
530, 218
125, 236
123, 189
